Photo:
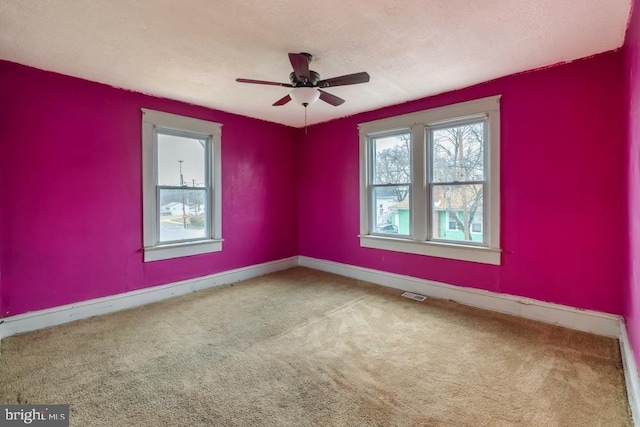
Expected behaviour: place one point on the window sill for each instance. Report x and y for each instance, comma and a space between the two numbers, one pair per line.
177, 250
436, 249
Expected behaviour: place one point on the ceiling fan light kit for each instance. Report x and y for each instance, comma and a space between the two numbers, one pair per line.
304, 95
307, 85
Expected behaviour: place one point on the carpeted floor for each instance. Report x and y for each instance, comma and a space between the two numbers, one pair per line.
305, 348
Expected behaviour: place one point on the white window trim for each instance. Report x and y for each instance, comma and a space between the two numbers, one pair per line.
154, 251
419, 122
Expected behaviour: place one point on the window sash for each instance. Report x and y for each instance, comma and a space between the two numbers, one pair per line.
371, 156
431, 209
430, 167
208, 214
371, 179
208, 176
208, 168
372, 228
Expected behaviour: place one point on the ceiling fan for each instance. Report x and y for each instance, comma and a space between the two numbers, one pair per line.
307, 85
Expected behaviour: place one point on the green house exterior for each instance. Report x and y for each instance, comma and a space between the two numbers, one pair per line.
400, 217
447, 234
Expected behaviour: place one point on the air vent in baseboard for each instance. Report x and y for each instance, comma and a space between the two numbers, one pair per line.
416, 297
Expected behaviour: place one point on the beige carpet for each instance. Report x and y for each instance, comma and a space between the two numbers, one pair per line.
304, 348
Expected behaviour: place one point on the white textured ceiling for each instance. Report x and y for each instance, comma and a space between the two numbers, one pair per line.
193, 50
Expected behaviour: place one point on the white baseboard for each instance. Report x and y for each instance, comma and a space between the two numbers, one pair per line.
583, 320
630, 374
67, 313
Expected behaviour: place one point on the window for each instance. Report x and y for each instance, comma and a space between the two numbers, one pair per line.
435, 175
452, 221
181, 196
476, 223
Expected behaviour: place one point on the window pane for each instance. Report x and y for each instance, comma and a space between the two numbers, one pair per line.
391, 213
458, 153
456, 212
392, 159
181, 161
182, 214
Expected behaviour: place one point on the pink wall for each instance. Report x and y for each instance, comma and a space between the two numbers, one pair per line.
562, 189
632, 289
3, 155
71, 212
70, 171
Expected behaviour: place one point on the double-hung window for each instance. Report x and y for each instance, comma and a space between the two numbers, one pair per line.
430, 182
181, 179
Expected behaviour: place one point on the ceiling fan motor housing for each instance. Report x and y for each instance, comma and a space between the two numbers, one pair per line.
314, 77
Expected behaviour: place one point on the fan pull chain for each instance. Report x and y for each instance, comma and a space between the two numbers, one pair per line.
305, 119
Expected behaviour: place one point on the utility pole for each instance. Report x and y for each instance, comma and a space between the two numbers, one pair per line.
184, 213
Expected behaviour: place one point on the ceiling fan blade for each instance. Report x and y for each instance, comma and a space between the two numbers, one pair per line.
262, 82
300, 64
282, 101
330, 98
349, 79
